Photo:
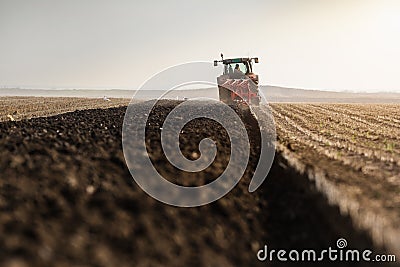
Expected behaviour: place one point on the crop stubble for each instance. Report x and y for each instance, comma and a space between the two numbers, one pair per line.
353, 153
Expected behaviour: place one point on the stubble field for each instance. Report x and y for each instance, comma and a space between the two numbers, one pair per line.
353, 153
23, 107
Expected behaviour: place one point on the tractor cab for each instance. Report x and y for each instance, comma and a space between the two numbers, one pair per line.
244, 65
238, 83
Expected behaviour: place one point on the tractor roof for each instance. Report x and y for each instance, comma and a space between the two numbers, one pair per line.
236, 60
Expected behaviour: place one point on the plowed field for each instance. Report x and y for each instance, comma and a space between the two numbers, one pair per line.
68, 199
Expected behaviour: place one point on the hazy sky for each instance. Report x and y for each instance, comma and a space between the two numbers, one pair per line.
317, 44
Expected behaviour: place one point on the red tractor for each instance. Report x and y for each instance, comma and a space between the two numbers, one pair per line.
238, 83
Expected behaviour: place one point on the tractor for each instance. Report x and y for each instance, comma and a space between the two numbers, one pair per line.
238, 83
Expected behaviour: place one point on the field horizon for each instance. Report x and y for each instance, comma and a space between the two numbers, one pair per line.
271, 93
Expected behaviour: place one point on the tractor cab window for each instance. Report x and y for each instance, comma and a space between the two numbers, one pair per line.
242, 67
